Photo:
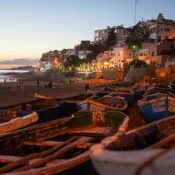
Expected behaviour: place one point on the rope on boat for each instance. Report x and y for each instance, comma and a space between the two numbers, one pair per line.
149, 161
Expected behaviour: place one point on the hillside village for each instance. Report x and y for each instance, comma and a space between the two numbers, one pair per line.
116, 50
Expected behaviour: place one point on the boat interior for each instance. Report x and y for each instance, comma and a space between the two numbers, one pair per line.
40, 146
144, 137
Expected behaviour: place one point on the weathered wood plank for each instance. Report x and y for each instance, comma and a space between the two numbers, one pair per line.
8, 159
80, 141
55, 162
92, 132
18, 122
44, 143
57, 166
21, 161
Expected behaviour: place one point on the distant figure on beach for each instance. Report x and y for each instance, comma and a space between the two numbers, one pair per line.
38, 82
86, 87
19, 80
5, 80
49, 85
105, 89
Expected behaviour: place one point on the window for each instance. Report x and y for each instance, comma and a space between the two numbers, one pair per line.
167, 29
172, 45
158, 38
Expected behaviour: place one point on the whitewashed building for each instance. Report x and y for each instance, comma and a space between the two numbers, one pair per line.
161, 29
121, 55
100, 35
121, 35
83, 53
70, 52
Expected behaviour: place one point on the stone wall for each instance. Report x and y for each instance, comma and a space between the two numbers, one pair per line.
109, 74
135, 74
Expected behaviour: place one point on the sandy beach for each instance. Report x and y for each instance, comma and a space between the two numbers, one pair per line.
11, 93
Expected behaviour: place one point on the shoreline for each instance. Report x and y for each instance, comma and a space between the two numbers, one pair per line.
13, 92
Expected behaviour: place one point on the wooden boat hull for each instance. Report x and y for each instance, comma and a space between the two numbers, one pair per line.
157, 109
27, 140
129, 97
17, 123
126, 94
84, 168
98, 106
102, 94
47, 110
73, 98
56, 112
158, 89
128, 162
124, 154
138, 94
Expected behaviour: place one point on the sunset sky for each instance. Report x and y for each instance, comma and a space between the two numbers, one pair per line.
30, 27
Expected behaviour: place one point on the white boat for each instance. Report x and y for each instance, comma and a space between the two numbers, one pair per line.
131, 154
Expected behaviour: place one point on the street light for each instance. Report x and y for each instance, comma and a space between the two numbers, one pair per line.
134, 49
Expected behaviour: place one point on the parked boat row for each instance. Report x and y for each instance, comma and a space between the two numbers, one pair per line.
157, 106
59, 136
47, 109
59, 145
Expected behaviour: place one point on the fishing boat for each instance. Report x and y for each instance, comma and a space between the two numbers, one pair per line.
47, 110
79, 97
138, 93
127, 94
106, 90
58, 146
18, 122
173, 86
141, 151
161, 88
156, 106
104, 104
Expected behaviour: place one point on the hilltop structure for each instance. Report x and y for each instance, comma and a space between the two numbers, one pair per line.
151, 41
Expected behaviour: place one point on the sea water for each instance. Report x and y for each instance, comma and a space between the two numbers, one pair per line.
9, 78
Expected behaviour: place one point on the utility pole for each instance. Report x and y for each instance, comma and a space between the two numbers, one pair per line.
135, 12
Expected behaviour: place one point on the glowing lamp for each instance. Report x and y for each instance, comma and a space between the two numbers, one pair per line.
134, 48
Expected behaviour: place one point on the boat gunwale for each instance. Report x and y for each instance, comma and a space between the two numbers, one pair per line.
109, 140
146, 101
103, 105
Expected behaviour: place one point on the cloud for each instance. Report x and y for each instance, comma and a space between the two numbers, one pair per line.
20, 61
